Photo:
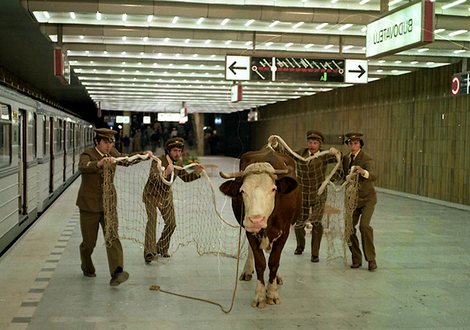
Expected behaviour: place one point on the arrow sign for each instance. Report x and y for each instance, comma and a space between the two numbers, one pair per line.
237, 67
232, 67
361, 71
356, 71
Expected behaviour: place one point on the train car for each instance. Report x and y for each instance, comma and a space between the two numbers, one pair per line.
39, 150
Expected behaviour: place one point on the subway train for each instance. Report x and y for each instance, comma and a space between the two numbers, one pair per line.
39, 152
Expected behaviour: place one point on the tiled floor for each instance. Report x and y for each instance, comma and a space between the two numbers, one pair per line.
422, 281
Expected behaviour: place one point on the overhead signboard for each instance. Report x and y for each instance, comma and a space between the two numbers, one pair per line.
403, 28
237, 68
356, 72
296, 69
460, 84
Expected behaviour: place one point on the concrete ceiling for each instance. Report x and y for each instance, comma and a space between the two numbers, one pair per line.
153, 56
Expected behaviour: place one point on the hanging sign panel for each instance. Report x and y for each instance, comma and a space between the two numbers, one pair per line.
296, 69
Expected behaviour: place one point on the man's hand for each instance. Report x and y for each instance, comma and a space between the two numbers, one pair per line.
103, 160
169, 169
272, 140
199, 169
335, 152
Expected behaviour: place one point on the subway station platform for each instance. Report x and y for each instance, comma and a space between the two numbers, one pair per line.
422, 280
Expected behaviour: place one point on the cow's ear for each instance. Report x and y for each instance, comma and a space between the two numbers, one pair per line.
231, 188
286, 184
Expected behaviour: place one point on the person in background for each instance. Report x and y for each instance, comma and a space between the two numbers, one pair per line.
357, 161
90, 203
158, 195
311, 175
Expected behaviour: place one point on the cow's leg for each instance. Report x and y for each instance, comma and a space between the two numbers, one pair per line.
272, 293
260, 265
247, 273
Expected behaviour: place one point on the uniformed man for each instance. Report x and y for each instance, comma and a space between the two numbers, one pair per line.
90, 203
357, 161
158, 195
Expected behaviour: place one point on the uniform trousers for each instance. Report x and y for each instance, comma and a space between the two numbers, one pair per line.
89, 225
168, 214
362, 215
314, 214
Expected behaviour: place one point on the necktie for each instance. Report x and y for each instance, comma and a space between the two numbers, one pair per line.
351, 160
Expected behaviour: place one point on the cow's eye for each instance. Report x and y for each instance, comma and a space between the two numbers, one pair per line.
242, 191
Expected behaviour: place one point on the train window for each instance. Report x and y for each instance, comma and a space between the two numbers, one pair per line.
31, 136
69, 140
58, 136
45, 136
5, 135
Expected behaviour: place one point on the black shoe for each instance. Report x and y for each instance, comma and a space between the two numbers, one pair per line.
372, 265
149, 257
118, 278
354, 265
87, 274
314, 259
298, 250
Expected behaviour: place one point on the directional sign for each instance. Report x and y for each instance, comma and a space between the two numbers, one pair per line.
237, 67
356, 72
296, 69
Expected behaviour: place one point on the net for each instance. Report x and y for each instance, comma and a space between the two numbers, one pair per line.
164, 215
327, 198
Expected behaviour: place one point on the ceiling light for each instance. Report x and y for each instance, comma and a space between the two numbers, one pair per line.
149, 18
175, 19
429, 63
200, 20
248, 43
345, 27
308, 46
297, 25
348, 47
364, 29
228, 42
439, 30
363, 2
98, 16
269, 43
321, 26
455, 33
334, 1
382, 61
72, 15
208, 41
273, 24
453, 4
124, 38
145, 39
81, 37
187, 41
458, 51
414, 62
225, 21
46, 13
249, 22
422, 50
124, 17
166, 39
329, 46
397, 62
288, 44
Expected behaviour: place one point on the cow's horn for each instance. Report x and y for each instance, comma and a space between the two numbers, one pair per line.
231, 175
281, 171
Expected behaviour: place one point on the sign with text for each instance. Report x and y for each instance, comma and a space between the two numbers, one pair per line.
296, 69
404, 28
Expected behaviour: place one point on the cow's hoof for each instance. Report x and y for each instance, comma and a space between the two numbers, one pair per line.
259, 304
279, 280
246, 277
273, 300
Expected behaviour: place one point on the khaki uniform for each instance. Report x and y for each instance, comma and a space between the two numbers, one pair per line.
90, 203
362, 215
311, 175
158, 195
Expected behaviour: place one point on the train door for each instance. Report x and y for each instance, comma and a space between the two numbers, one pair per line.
64, 141
51, 155
74, 146
22, 164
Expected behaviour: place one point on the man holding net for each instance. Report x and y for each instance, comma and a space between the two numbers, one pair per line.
357, 161
311, 172
92, 209
158, 195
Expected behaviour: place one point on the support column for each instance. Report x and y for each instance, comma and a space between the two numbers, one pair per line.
199, 133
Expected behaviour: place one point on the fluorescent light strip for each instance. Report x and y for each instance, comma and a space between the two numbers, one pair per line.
297, 25
453, 4
321, 26
345, 27
455, 33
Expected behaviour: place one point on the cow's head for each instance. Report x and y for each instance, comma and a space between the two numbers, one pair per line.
258, 185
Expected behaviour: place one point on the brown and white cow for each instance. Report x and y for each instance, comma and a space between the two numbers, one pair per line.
266, 200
